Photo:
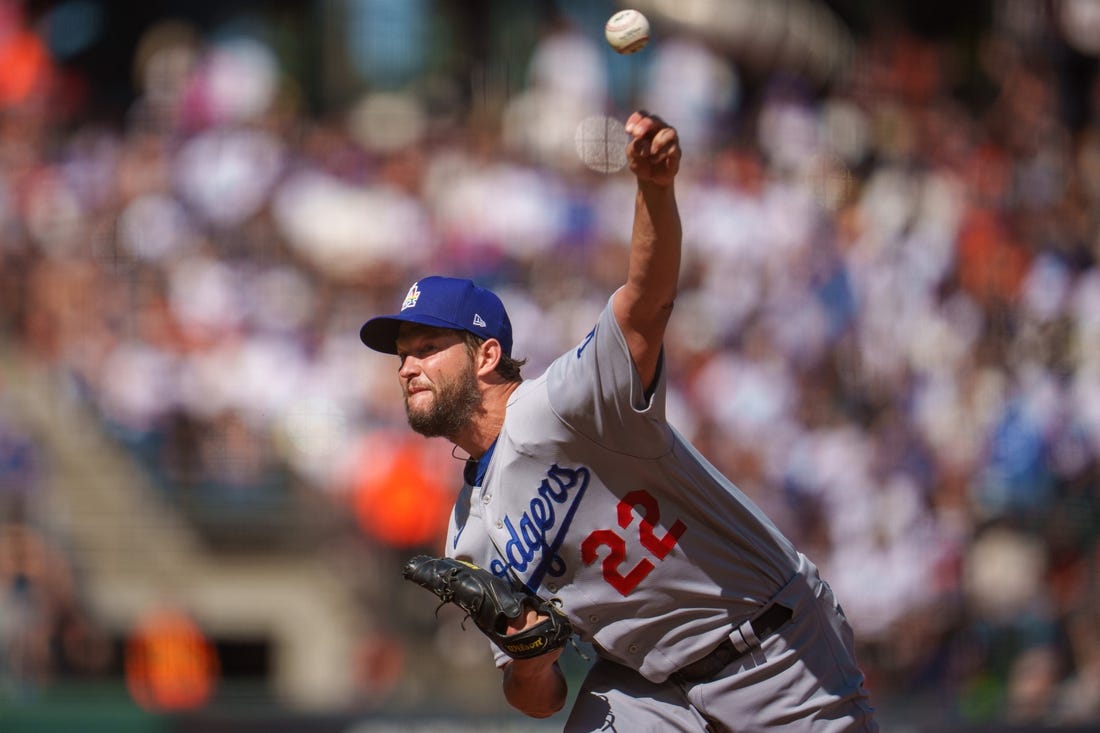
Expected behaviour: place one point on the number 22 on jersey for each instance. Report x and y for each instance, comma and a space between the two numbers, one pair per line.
659, 547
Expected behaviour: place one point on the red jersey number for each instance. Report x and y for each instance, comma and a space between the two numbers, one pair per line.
616, 545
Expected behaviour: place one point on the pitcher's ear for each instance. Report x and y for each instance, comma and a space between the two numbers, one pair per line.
488, 356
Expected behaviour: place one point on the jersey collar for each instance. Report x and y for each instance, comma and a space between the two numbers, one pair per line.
474, 472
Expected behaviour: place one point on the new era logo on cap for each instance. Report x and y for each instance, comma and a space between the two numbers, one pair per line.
443, 302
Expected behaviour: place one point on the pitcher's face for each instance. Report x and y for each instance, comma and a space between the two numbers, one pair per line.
437, 379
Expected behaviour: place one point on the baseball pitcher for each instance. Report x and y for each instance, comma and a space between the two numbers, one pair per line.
584, 512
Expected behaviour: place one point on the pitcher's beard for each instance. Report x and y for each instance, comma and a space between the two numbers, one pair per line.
451, 411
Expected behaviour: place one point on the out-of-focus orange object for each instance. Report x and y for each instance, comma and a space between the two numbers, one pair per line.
397, 495
25, 65
991, 265
170, 665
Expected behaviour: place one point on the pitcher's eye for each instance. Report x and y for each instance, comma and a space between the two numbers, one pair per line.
420, 351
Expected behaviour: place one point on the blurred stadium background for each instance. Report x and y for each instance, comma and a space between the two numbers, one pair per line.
889, 333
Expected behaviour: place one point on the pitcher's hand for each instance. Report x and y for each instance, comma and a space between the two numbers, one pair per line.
654, 150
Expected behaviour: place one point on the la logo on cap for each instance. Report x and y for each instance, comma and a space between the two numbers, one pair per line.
411, 298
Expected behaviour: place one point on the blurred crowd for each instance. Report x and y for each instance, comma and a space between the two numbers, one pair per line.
888, 332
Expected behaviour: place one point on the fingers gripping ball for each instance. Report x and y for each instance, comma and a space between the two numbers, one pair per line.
491, 602
627, 31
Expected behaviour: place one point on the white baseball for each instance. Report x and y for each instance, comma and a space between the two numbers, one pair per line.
627, 31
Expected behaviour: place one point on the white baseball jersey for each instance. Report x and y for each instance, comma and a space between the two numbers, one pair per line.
591, 498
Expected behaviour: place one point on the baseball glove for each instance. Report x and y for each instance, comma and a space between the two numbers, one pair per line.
491, 601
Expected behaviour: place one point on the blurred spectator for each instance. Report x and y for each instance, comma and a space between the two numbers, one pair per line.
170, 665
44, 628
20, 470
23, 57
1079, 696
399, 492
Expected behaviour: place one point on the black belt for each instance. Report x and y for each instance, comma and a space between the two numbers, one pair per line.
719, 658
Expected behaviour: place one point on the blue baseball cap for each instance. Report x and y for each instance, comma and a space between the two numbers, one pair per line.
443, 302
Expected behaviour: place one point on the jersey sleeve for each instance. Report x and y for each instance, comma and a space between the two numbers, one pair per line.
595, 389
